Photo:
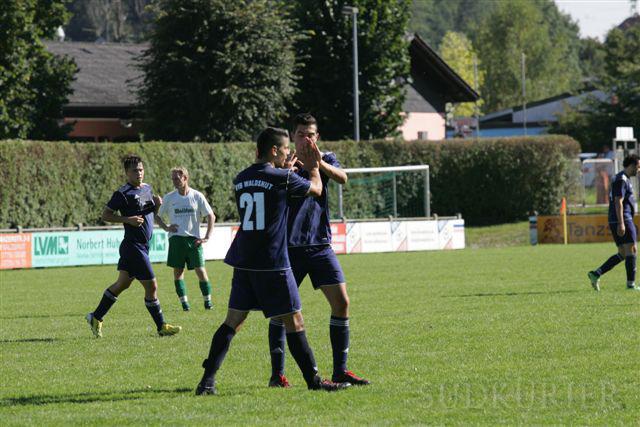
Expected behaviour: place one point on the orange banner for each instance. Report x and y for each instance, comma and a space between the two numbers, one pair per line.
15, 251
580, 229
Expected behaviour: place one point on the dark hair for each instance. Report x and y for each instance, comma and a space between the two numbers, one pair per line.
631, 159
270, 137
130, 161
304, 119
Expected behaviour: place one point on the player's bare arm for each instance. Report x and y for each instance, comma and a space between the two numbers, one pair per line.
619, 215
211, 219
110, 216
334, 173
168, 228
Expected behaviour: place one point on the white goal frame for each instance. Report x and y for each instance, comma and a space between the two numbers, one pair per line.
407, 168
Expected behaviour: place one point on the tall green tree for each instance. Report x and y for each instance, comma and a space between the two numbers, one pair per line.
325, 55
217, 70
516, 27
593, 123
34, 84
458, 52
432, 19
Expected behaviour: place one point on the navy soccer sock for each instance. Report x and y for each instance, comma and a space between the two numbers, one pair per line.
630, 265
303, 355
339, 334
156, 311
108, 299
277, 346
609, 264
219, 346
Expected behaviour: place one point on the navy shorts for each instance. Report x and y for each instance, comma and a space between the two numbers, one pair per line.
134, 259
319, 262
630, 233
273, 292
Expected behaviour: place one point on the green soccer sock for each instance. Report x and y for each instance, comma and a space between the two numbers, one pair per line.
181, 288
205, 288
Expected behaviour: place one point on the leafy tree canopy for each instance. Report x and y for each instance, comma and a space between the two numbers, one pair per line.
34, 84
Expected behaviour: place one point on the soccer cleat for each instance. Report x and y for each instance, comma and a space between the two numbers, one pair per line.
208, 305
279, 381
633, 287
185, 306
168, 330
326, 385
203, 390
349, 377
95, 325
595, 280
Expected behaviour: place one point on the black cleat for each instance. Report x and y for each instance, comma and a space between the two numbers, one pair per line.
208, 305
349, 377
326, 385
279, 381
202, 390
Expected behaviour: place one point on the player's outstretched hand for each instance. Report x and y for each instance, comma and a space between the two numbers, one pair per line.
621, 229
135, 221
291, 162
173, 228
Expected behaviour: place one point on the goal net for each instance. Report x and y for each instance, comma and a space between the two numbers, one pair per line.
394, 191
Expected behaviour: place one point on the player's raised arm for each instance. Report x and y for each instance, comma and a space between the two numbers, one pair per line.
334, 173
313, 157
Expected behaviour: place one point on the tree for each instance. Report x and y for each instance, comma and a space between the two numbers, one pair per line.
325, 55
34, 84
216, 70
432, 19
108, 20
593, 123
592, 57
517, 27
458, 52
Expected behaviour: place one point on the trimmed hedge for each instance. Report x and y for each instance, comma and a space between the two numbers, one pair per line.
489, 181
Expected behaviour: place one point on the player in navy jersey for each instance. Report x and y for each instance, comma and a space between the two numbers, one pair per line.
621, 210
311, 254
137, 205
262, 277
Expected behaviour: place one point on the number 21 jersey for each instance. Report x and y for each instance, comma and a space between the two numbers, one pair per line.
261, 197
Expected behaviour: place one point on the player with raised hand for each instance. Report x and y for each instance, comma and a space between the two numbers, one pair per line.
262, 277
137, 205
310, 252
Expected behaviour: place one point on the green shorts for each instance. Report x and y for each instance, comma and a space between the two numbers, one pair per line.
183, 249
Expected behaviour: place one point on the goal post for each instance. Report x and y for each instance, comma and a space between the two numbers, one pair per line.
378, 189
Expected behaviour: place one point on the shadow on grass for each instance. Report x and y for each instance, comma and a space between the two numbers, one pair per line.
512, 294
30, 340
46, 399
42, 316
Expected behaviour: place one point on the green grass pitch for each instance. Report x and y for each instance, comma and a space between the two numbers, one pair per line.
486, 336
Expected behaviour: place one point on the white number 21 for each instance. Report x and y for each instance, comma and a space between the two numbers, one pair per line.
247, 200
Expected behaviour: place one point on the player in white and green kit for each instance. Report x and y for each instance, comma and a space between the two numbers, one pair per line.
185, 207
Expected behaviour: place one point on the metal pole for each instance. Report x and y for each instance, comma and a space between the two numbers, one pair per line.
475, 87
524, 94
356, 101
395, 196
340, 210
427, 195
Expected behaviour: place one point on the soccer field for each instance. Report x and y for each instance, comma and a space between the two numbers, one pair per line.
489, 336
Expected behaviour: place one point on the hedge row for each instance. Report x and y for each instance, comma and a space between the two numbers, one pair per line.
492, 180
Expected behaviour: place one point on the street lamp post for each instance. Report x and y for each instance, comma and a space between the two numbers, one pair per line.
353, 12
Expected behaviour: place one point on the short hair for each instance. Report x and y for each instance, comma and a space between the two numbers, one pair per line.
629, 160
130, 161
304, 119
269, 137
181, 170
